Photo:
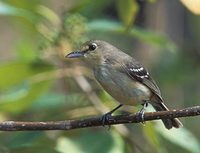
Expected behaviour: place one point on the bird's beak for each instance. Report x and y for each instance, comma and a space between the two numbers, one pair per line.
75, 54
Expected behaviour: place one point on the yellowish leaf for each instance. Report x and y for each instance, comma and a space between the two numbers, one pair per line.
127, 10
192, 5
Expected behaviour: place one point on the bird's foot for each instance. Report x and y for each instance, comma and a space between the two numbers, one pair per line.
140, 114
106, 118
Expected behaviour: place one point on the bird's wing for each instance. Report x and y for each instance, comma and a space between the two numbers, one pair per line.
136, 71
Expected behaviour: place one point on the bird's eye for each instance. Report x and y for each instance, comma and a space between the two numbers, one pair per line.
92, 46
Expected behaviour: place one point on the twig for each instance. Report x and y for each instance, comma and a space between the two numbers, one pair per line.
96, 121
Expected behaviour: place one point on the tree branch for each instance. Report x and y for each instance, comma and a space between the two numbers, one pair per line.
96, 121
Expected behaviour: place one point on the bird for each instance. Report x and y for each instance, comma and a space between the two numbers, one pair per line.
123, 77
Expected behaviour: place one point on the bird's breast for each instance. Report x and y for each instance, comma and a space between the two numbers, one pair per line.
120, 86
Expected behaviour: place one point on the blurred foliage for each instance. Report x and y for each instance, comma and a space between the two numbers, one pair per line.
136, 32
37, 83
180, 137
112, 142
127, 10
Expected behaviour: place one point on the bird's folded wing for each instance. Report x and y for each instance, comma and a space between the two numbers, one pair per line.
136, 71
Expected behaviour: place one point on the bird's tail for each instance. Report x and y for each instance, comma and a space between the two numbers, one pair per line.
169, 123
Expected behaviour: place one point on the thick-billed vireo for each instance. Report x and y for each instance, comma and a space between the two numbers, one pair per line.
124, 78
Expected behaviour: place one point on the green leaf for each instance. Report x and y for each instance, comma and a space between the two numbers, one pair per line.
49, 14
15, 93
151, 135
26, 142
18, 90
127, 10
22, 139
65, 145
20, 99
53, 100
91, 142
105, 25
6, 9
14, 73
27, 51
141, 34
90, 8
182, 137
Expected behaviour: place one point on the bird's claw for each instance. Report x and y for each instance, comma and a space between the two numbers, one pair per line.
105, 118
140, 116
108, 116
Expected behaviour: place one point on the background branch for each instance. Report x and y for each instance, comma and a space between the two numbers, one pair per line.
96, 121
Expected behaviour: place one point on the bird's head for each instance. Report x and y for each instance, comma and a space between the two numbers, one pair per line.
93, 50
